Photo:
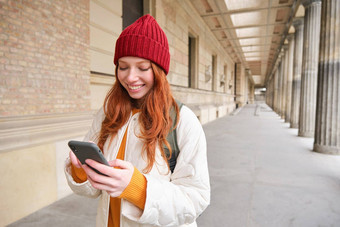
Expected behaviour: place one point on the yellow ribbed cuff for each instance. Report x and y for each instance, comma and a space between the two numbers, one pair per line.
78, 174
135, 192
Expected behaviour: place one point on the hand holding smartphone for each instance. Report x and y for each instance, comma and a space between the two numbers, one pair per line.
87, 150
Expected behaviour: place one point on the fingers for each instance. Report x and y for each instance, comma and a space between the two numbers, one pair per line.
98, 181
120, 164
104, 169
112, 184
115, 181
92, 175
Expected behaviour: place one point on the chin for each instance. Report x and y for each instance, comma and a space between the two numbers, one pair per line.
136, 97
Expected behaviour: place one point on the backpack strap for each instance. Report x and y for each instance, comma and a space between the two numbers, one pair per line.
172, 139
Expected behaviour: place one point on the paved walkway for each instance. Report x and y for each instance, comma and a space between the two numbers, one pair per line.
262, 175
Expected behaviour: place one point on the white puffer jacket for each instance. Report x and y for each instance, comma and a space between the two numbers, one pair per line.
175, 199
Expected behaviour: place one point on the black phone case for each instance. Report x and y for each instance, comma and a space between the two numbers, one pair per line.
87, 150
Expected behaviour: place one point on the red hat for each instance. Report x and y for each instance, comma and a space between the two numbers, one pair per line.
145, 39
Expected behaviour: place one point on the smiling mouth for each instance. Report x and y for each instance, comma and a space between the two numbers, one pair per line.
135, 87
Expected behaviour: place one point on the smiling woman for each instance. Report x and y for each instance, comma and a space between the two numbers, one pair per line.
138, 187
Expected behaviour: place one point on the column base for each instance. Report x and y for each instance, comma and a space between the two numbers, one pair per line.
294, 125
326, 149
306, 134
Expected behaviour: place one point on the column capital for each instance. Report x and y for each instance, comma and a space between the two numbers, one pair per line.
282, 52
290, 36
298, 22
307, 3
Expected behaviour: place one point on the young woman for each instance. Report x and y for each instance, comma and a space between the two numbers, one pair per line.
139, 189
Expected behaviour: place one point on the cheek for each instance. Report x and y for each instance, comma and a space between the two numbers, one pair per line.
151, 79
120, 77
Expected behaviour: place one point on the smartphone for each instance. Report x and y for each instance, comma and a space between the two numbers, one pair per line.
87, 150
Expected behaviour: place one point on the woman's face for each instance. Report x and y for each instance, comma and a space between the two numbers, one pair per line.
136, 76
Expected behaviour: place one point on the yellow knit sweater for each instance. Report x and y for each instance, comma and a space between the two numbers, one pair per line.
135, 192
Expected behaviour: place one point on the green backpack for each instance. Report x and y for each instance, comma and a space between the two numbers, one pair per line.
172, 139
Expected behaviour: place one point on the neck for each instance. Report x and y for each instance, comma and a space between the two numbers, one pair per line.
137, 103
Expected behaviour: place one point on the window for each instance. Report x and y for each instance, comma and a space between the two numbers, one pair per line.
214, 72
132, 10
225, 79
192, 61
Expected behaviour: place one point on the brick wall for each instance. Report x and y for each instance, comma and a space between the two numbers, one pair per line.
44, 59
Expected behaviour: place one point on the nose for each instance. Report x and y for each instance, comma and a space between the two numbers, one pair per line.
132, 75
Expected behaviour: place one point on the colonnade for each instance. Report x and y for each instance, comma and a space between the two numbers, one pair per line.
304, 85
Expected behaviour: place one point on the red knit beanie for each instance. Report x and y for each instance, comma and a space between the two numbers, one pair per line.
145, 39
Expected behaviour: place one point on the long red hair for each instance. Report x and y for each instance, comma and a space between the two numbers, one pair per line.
154, 119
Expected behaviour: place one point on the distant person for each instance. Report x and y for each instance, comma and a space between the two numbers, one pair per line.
131, 129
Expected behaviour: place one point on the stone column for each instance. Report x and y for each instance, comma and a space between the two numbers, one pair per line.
279, 87
269, 94
276, 89
284, 80
289, 76
309, 67
271, 86
273, 91
327, 127
281, 78
297, 67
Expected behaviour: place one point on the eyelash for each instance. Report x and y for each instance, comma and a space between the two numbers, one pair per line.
144, 70
141, 69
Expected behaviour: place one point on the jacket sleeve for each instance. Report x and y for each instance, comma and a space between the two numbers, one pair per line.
186, 196
85, 188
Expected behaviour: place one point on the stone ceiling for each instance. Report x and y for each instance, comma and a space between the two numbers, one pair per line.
251, 31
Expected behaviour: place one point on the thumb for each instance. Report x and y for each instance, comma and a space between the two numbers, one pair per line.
120, 164
74, 160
